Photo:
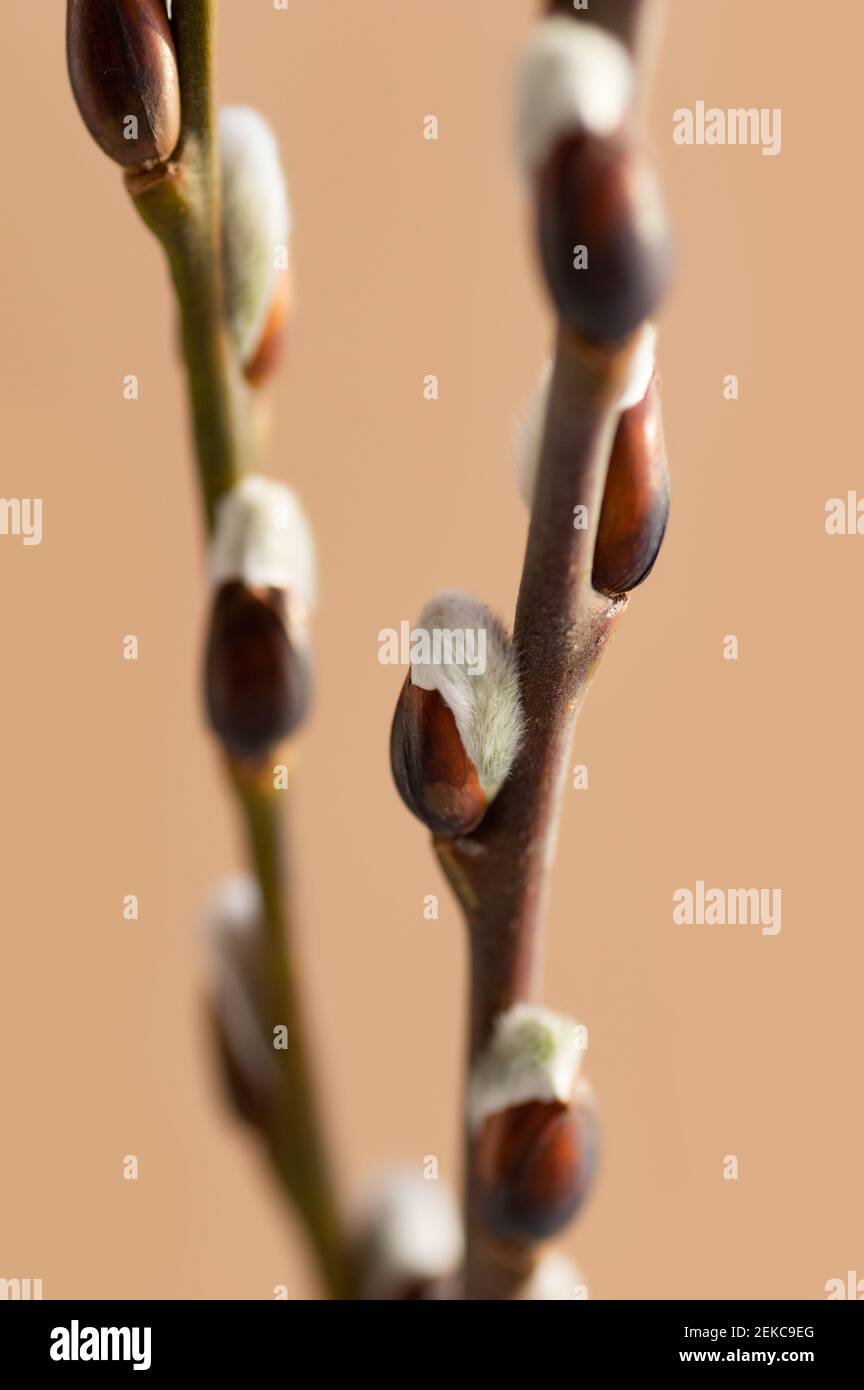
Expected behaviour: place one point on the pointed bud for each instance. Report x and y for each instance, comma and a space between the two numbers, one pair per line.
602, 226
123, 71
636, 500
458, 722
531, 428
409, 1239
534, 1125
257, 667
256, 227
235, 989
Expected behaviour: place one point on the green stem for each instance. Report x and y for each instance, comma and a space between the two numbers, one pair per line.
294, 1137
180, 202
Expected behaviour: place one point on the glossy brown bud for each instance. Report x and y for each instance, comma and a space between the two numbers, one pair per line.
123, 71
636, 500
534, 1164
601, 195
433, 773
257, 679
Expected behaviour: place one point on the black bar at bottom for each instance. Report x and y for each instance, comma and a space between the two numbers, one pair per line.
252, 1338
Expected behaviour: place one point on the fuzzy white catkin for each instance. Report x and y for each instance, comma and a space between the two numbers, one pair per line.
530, 428
486, 706
262, 537
555, 1278
533, 1055
256, 222
411, 1228
231, 921
572, 78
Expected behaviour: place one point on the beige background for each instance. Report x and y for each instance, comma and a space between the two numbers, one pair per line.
414, 257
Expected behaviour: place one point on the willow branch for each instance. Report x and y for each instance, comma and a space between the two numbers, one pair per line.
562, 627
293, 1134
179, 200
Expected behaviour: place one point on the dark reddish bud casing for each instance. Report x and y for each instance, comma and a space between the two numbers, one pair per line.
602, 195
123, 71
257, 680
434, 775
636, 500
534, 1165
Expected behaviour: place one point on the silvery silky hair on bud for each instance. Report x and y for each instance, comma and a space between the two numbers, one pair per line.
411, 1229
256, 219
486, 706
530, 429
262, 537
573, 78
232, 926
534, 1055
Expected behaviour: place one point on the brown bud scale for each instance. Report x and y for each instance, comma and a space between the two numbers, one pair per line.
635, 506
603, 195
122, 63
258, 682
535, 1164
434, 775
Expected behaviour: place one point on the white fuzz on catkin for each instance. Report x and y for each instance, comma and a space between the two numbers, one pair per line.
485, 704
573, 78
555, 1278
262, 538
534, 1055
530, 428
256, 222
232, 924
411, 1229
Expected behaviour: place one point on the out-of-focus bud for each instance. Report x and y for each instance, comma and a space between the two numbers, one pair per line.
534, 1125
235, 992
555, 1278
603, 234
256, 228
263, 572
409, 1239
530, 429
123, 71
458, 722
636, 500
